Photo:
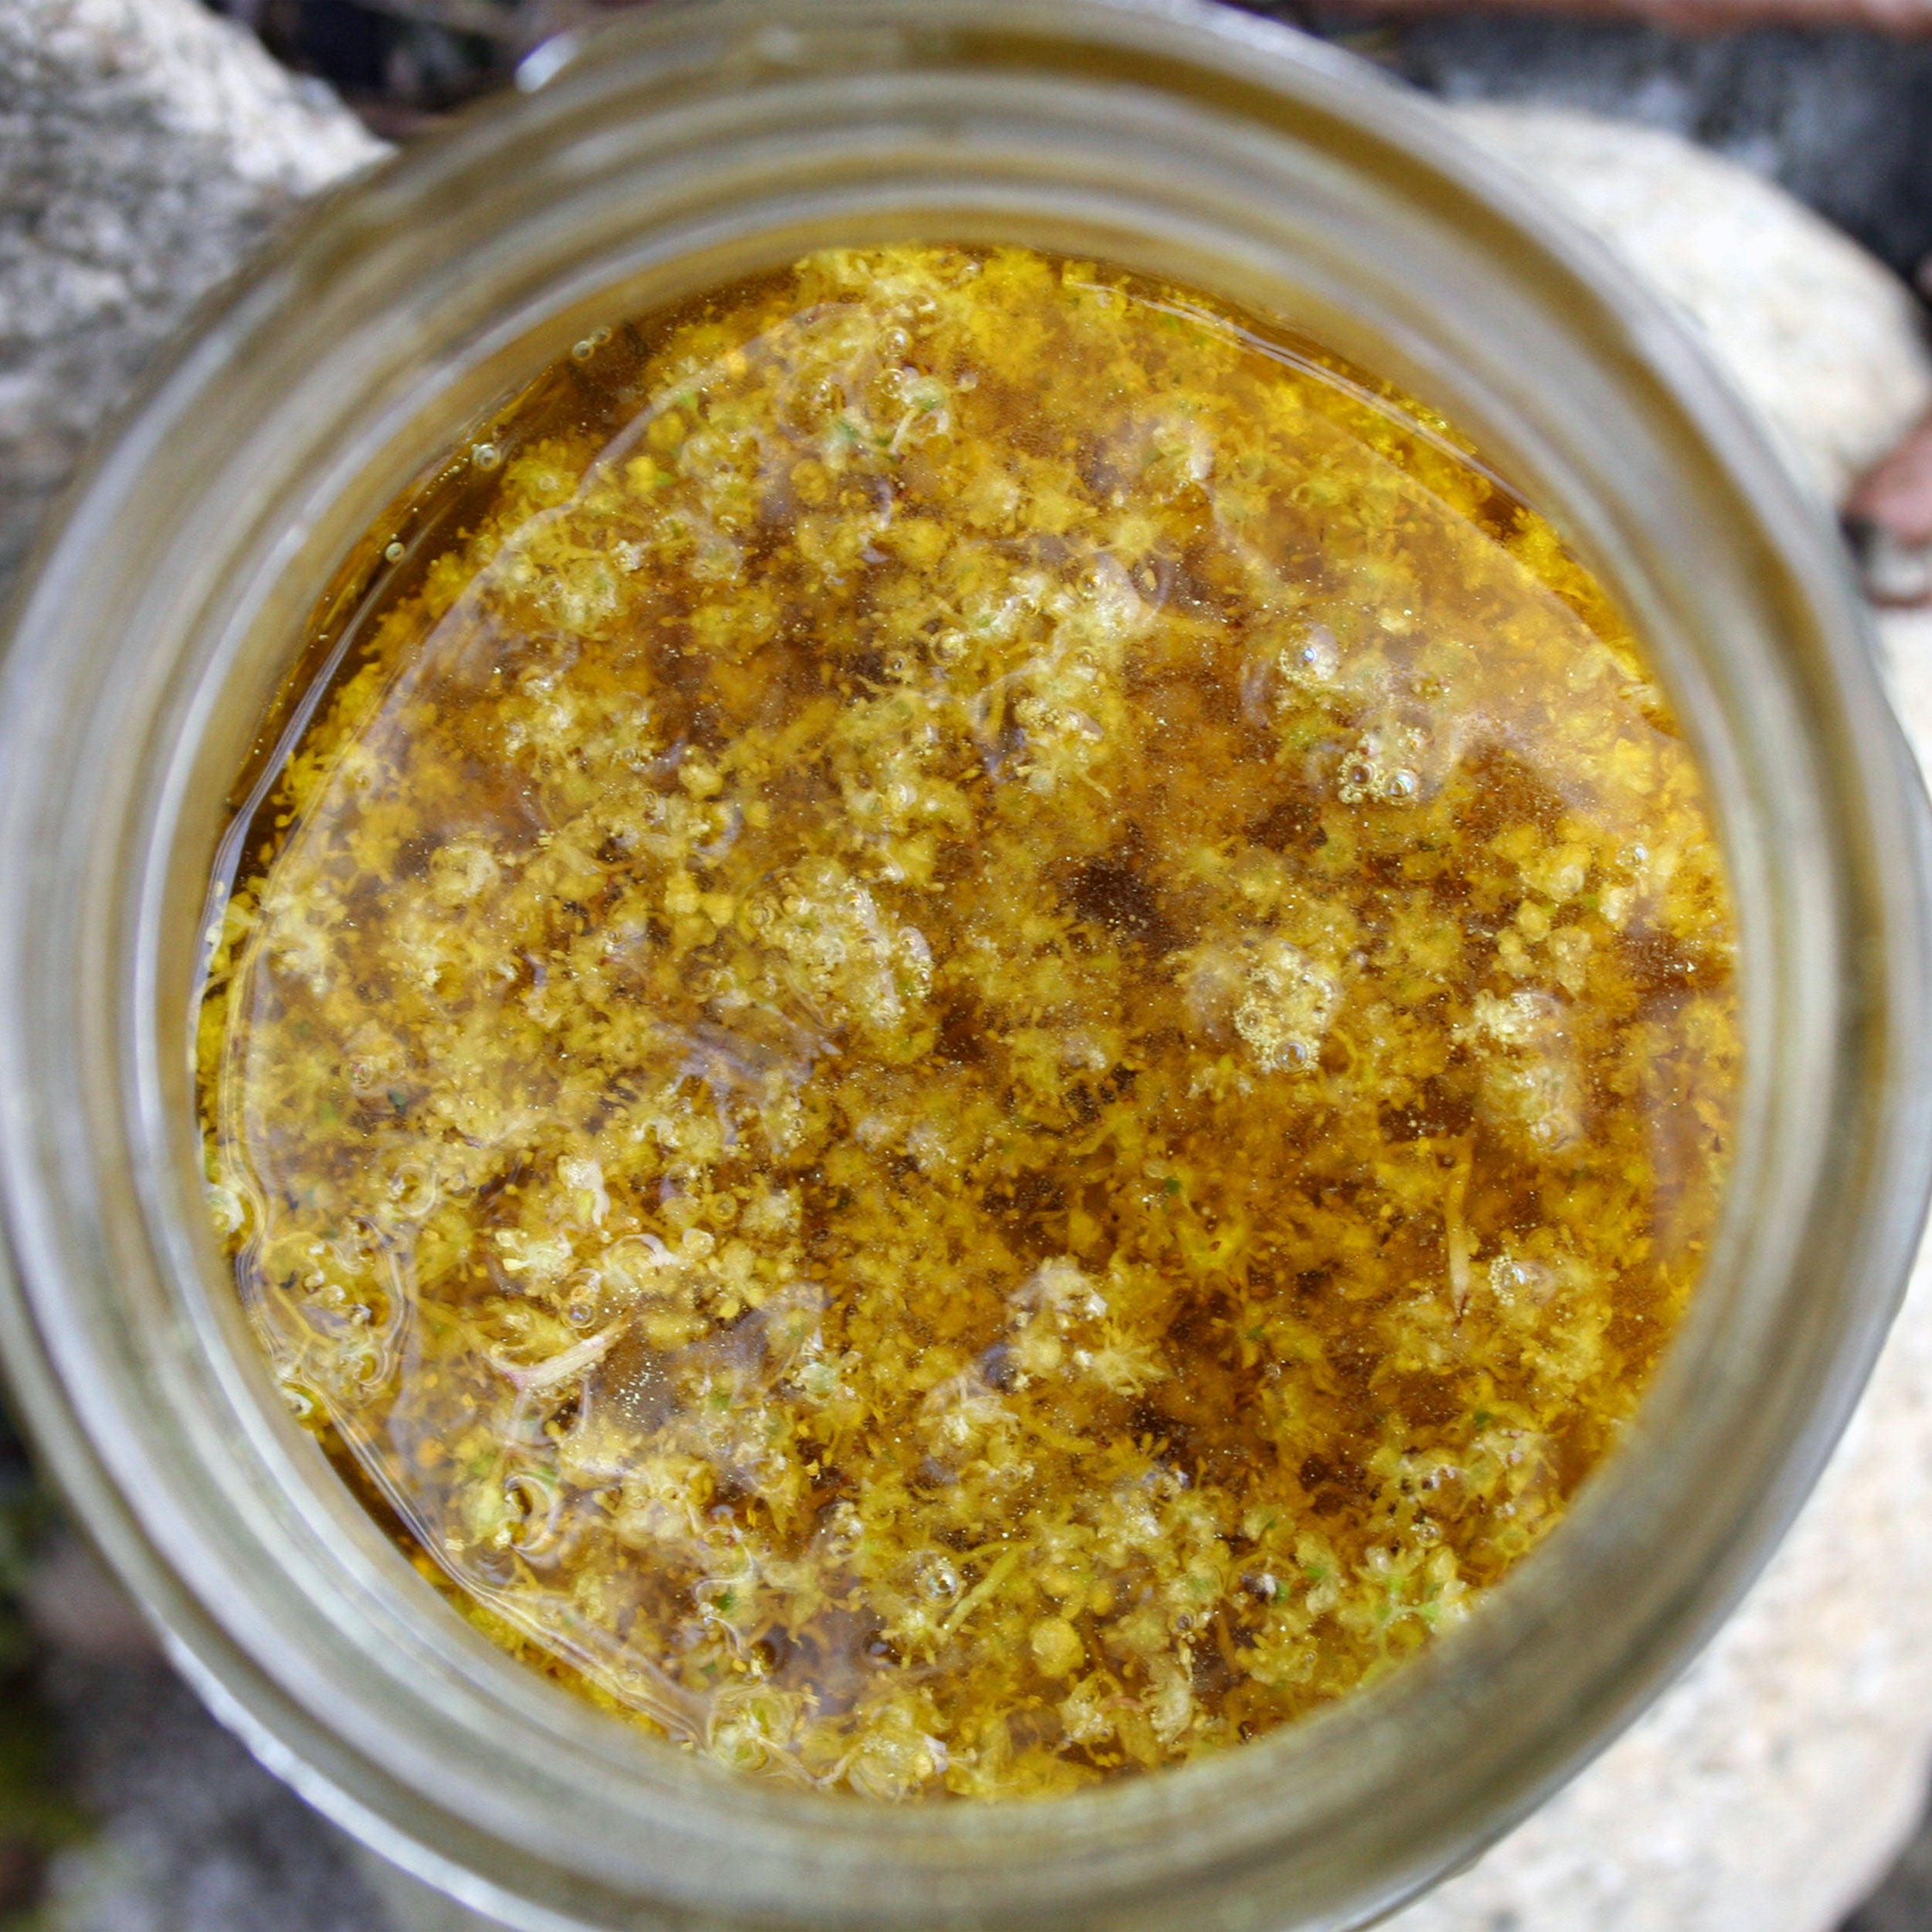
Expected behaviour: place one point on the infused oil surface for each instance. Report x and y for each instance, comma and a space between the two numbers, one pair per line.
974, 1030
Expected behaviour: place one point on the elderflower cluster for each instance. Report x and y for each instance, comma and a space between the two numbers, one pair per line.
987, 1034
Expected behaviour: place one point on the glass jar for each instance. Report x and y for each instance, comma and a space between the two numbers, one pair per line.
672, 152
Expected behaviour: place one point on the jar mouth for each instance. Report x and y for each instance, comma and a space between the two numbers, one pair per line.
664, 155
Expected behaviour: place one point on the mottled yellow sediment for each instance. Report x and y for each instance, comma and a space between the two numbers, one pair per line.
988, 1030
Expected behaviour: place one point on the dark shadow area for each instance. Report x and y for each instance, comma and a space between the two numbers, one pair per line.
124, 1806
1903, 1902
1842, 119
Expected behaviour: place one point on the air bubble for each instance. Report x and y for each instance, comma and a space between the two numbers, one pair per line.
486, 456
394, 552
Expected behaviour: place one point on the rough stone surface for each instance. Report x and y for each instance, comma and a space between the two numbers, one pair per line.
1840, 118
1822, 338
144, 147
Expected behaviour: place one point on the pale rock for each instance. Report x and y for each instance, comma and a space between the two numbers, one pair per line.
146, 146
1823, 338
